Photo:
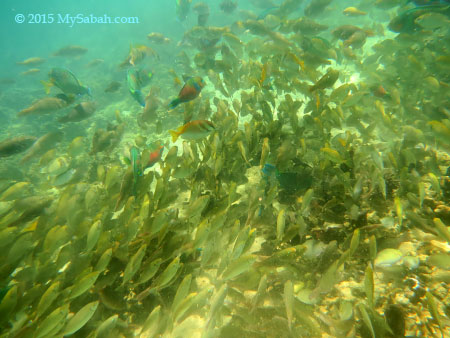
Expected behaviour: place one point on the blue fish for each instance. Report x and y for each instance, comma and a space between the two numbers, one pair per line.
136, 165
65, 80
269, 170
136, 78
139, 97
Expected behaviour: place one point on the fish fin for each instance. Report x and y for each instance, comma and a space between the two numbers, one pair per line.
47, 86
174, 103
174, 135
186, 77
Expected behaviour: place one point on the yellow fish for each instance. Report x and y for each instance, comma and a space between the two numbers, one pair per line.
193, 130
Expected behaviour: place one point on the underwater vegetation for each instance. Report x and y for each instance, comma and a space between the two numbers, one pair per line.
283, 175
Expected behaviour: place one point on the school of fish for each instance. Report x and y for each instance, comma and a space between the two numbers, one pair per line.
284, 175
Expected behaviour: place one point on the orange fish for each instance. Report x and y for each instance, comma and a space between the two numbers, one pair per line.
297, 60
193, 130
137, 54
154, 157
378, 91
264, 81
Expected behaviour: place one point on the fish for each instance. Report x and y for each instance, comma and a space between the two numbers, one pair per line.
136, 79
136, 166
80, 112
106, 139
266, 12
43, 144
292, 182
113, 87
182, 9
71, 51
345, 32
176, 80
432, 21
152, 103
154, 157
136, 162
353, 11
34, 61
356, 40
316, 7
307, 26
428, 2
31, 71
265, 78
158, 38
78, 320
191, 90
65, 80
16, 145
46, 105
76, 146
228, 6
30, 208
326, 81
94, 63
57, 166
405, 22
379, 91
297, 60
193, 130
220, 231
137, 54
138, 96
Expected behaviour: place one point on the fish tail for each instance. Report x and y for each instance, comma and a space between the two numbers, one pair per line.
24, 112
140, 98
174, 135
174, 103
47, 86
